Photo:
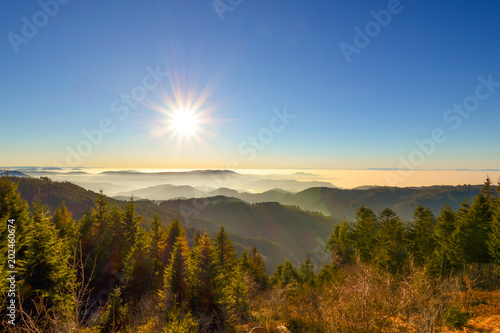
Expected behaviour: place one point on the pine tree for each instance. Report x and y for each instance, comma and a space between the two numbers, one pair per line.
365, 233
176, 276
479, 223
138, 269
285, 274
225, 254
166, 246
494, 236
157, 235
306, 272
96, 230
236, 297
131, 224
444, 229
47, 258
488, 190
258, 268
65, 225
457, 252
421, 242
203, 276
15, 209
252, 264
340, 243
391, 248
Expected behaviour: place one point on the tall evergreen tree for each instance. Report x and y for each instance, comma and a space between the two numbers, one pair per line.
340, 243
176, 276
391, 248
167, 244
478, 225
65, 225
138, 269
494, 236
203, 276
47, 258
488, 190
225, 253
421, 241
457, 252
252, 264
285, 274
365, 233
131, 224
306, 272
157, 235
236, 297
444, 229
13, 208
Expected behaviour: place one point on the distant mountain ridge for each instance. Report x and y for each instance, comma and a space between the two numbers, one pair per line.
338, 203
292, 223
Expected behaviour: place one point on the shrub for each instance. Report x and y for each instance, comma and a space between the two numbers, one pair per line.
454, 317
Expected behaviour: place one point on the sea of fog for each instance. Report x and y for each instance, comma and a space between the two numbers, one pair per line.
260, 180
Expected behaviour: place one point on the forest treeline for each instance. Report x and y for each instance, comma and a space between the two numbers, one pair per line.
107, 272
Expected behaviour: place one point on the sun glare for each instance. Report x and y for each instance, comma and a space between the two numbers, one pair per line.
184, 123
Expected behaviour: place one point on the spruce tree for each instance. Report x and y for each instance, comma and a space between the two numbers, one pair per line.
391, 248
421, 241
494, 236
458, 254
479, 224
236, 297
225, 253
340, 243
285, 274
15, 209
166, 246
365, 233
65, 226
444, 229
157, 235
47, 258
306, 272
138, 269
176, 276
202, 276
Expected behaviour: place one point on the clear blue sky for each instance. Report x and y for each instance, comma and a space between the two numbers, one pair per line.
263, 56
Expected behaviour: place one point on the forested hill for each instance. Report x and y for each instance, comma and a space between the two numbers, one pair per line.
341, 203
298, 231
274, 249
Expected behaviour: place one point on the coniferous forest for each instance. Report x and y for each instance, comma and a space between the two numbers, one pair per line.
113, 271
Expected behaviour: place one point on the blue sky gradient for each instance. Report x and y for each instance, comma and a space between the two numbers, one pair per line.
263, 56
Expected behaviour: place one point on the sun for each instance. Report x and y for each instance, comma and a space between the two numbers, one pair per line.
184, 123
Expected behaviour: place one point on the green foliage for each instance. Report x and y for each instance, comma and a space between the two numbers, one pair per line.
175, 281
454, 317
178, 322
13, 207
340, 243
253, 264
48, 273
494, 237
444, 229
306, 272
390, 251
365, 233
115, 314
138, 269
235, 298
421, 241
285, 274
65, 226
